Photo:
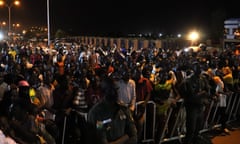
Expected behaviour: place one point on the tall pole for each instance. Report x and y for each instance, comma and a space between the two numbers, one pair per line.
9, 4
48, 23
9, 19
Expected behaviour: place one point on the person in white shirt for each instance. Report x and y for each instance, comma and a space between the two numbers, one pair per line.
126, 90
222, 101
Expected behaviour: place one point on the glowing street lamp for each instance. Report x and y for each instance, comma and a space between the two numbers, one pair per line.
17, 25
2, 24
9, 4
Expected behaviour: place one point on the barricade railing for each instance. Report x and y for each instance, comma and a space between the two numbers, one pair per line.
174, 127
233, 107
179, 124
209, 116
237, 111
177, 115
151, 106
229, 101
79, 113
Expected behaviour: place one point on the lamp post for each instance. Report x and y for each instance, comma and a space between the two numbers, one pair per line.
2, 25
9, 4
48, 23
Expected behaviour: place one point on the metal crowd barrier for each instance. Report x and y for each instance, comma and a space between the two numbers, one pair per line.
178, 116
80, 113
233, 107
151, 106
174, 126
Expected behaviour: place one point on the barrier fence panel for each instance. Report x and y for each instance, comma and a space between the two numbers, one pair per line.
174, 127
64, 129
236, 112
229, 100
211, 121
214, 118
206, 124
166, 125
179, 122
149, 123
77, 119
233, 107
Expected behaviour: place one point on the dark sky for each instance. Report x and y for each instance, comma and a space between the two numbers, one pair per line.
100, 17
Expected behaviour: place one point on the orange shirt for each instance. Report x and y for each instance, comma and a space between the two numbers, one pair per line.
61, 67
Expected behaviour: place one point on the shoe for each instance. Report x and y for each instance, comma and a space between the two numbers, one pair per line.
226, 131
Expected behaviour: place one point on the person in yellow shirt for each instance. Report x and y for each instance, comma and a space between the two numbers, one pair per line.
228, 78
12, 53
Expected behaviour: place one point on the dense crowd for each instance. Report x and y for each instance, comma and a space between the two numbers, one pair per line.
43, 91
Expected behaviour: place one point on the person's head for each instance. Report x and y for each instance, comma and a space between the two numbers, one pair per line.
126, 75
109, 89
146, 72
196, 68
227, 70
23, 92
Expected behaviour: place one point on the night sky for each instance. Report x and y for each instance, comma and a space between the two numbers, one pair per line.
100, 17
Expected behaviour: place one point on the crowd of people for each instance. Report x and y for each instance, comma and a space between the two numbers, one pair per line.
43, 91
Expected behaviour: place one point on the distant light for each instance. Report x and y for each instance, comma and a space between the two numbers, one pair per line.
193, 35
24, 32
179, 35
160, 35
186, 49
1, 36
17, 2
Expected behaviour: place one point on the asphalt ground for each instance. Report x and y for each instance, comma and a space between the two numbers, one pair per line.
219, 137
223, 138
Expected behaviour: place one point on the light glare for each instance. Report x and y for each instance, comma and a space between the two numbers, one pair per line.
193, 36
1, 36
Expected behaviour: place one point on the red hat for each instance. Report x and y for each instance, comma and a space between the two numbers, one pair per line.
23, 83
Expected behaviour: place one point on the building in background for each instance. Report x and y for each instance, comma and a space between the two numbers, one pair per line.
232, 33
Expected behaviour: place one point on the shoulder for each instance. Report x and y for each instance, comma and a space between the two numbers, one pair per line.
131, 81
96, 109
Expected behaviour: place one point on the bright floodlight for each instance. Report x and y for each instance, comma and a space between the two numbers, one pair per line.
193, 36
1, 3
17, 2
1, 36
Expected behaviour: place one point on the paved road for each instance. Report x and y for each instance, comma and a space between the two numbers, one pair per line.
220, 138
232, 138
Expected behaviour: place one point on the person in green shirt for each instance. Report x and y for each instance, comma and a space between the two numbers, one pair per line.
112, 122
